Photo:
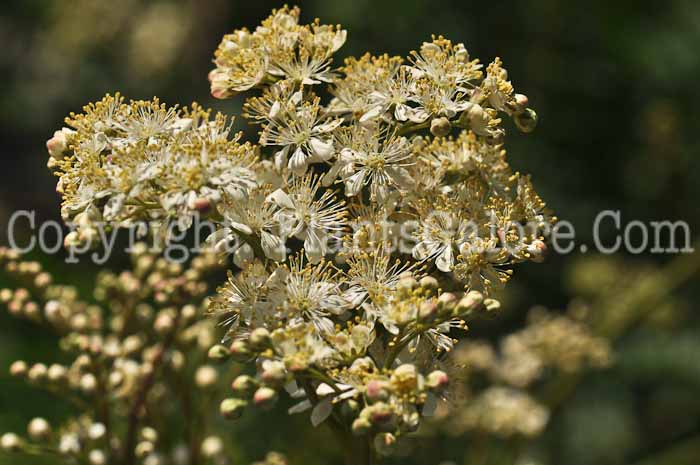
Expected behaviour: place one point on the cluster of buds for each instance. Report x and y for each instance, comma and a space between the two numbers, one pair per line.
378, 384
499, 393
141, 343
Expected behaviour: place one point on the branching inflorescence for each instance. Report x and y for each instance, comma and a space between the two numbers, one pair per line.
365, 227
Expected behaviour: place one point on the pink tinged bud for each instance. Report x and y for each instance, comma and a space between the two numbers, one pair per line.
265, 398
240, 350
376, 391
57, 145
537, 250
232, 408
437, 380
202, 204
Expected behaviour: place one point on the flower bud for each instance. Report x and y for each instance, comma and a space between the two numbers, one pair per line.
526, 121
470, 302
537, 250
437, 380
149, 434
206, 376
379, 414
244, 386
69, 444
10, 442
240, 350
57, 373
447, 302
218, 353
37, 372
376, 390
440, 127
38, 429
164, 323
259, 339
427, 311
96, 431
521, 103
97, 457
143, 449
265, 398
212, 447
406, 284
202, 204
405, 377
429, 283
18, 368
361, 426
232, 408
88, 383
57, 145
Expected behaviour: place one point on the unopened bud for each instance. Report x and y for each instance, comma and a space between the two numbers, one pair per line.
407, 284
447, 302
143, 449
470, 302
88, 383
244, 386
10, 442
259, 339
379, 414
97, 457
232, 408
537, 250
164, 323
427, 311
57, 373
18, 368
206, 376
218, 353
526, 121
376, 391
440, 127
240, 350
437, 380
38, 428
212, 446
265, 398
202, 204
521, 103
37, 372
361, 426
429, 283
57, 145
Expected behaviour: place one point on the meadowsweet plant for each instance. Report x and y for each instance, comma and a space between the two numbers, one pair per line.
372, 215
138, 376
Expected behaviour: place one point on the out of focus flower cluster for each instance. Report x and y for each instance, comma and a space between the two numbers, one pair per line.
137, 348
500, 395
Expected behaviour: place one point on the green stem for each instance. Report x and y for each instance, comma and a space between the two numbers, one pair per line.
408, 128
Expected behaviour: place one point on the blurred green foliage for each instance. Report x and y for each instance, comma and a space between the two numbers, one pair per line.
614, 84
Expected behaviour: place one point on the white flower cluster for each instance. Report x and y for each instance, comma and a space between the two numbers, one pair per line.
323, 295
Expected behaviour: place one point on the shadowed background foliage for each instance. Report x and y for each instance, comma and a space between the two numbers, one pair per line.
614, 84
